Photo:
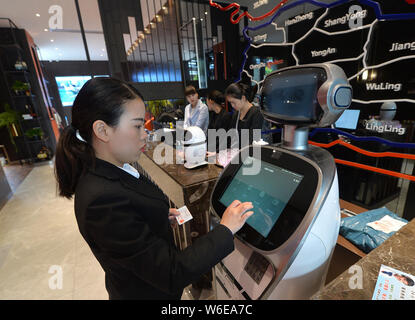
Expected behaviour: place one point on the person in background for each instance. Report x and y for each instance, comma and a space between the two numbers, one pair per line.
219, 118
246, 115
196, 112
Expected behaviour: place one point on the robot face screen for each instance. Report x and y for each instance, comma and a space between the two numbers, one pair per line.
292, 95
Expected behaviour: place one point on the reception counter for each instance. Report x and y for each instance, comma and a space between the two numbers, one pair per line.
397, 252
184, 187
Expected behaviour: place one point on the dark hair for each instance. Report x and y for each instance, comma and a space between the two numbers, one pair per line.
189, 90
238, 89
99, 99
409, 281
217, 97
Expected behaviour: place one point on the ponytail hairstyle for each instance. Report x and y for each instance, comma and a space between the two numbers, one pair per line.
99, 99
239, 89
217, 97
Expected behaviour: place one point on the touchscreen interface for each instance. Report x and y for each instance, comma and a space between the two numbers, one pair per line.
269, 191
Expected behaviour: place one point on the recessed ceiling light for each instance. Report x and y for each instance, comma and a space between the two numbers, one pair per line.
102, 55
56, 48
103, 49
46, 29
51, 40
37, 15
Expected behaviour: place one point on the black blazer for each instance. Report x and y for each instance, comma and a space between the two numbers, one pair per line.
252, 120
125, 222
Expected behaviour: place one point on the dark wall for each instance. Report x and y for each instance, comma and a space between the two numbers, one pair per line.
114, 17
234, 45
160, 90
69, 68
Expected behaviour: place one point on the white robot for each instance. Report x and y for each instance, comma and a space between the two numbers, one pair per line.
284, 249
194, 148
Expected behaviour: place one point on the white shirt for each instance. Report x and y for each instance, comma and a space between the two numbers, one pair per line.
131, 170
197, 116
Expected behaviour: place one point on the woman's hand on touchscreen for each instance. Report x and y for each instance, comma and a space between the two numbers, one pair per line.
236, 215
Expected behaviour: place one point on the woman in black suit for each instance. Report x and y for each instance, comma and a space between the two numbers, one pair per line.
124, 217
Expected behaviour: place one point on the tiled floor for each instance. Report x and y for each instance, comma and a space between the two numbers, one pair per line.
38, 231
39, 239
16, 173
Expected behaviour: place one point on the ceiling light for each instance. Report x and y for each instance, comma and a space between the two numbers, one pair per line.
51, 40
46, 29
37, 15
103, 49
205, 12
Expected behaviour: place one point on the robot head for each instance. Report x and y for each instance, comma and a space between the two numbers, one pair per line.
388, 111
310, 95
194, 146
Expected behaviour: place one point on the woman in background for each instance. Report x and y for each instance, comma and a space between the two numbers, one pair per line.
196, 112
219, 118
246, 115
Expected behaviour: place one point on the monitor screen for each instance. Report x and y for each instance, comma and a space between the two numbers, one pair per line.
348, 120
293, 95
269, 191
262, 66
69, 87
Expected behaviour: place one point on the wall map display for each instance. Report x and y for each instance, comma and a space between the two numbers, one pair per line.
373, 41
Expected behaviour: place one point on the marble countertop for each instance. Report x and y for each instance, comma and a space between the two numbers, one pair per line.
185, 177
397, 252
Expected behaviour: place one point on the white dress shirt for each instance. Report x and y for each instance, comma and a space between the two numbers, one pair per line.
131, 170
